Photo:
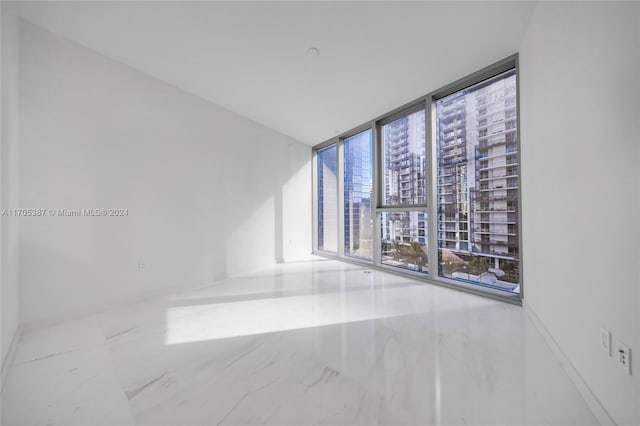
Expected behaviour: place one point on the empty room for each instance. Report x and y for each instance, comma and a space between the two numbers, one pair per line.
320, 213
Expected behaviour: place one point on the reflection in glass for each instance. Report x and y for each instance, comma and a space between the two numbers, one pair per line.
477, 162
328, 199
404, 240
358, 171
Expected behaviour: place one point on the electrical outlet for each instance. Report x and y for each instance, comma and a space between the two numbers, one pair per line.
624, 356
605, 340
140, 266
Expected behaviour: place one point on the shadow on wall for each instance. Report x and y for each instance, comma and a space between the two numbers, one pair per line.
271, 221
293, 207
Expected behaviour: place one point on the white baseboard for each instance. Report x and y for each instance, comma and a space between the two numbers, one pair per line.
11, 353
590, 398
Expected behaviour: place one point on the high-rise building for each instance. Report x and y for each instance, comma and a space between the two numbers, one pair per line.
404, 160
404, 233
478, 174
404, 177
358, 175
327, 199
453, 173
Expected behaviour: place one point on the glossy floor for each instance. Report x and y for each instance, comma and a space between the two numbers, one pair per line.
319, 342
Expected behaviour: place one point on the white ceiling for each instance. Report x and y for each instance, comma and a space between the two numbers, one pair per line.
251, 57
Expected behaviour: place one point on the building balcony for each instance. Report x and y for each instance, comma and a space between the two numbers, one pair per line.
498, 176
452, 107
508, 139
483, 188
457, 143
448, 239
510, 154
483, 136
455, 160
498, 220
505, 254
495, 210
450, 135
494, 241
486, 167
448, 219
484, 145
452, 153
484, 196
494, 232
446, 126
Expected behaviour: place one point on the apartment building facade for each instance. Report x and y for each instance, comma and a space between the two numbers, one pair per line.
478, 186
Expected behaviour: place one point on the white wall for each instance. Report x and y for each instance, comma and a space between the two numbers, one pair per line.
9, 248
210, 194
580, 109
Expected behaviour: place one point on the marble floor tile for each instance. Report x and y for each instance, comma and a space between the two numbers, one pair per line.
319, 342
63, 375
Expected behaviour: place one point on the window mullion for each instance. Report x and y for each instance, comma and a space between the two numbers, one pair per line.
340, 191
432, 190
376, 197
314, 190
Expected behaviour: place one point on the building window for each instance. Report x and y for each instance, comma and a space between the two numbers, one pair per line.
477, 191
327, 172
403, 160
404, 240
403, 233
358, 186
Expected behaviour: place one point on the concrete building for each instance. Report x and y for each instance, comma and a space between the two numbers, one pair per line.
478, 174
404, 168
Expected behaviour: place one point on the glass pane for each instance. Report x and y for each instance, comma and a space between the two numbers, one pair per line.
328, 199
403, 160
358, 171
404, 240
477, 163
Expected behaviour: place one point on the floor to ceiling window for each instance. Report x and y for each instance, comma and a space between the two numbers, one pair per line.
327, 172
358, 192
433, 188
477, 163
403, 218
